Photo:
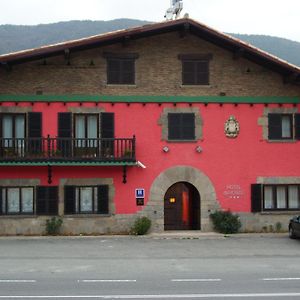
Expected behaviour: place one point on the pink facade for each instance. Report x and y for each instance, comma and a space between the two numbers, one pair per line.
222, 169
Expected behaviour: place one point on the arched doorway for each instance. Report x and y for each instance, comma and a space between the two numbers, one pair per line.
182, 207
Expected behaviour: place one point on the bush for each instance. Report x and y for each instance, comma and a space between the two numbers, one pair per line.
225, 222
53, 225
141, 226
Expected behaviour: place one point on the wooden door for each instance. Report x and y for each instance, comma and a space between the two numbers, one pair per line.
182, 207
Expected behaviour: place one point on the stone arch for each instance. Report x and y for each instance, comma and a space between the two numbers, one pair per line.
155, 205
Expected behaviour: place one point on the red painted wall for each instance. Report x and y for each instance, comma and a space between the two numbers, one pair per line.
231, 164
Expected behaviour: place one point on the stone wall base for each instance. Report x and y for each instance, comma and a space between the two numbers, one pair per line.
121, 224
265, 222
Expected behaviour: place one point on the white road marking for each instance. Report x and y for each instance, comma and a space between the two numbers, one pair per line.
107, 280
164, 296
281, 279
16, 281
196, 280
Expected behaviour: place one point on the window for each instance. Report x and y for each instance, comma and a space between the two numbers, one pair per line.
195, 72
275, 197
181, 126
47, 200
86, 199
284, 126
120, 71
16, 200
195, 69
13, 133
86, 130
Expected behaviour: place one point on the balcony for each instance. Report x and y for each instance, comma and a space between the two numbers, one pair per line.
62, 150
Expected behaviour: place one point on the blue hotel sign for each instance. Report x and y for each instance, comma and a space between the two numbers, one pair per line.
139, 193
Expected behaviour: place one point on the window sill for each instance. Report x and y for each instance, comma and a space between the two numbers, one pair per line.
181, 141
121, 85
195, 86
86, 216
282, 141
281, 212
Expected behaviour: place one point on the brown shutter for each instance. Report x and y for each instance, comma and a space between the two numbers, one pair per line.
1, 212
275, 130
47, 200
256, 197
65, 133
70, 199
35, 131
103, 206
297, 126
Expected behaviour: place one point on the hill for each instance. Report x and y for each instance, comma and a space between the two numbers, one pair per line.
18, 37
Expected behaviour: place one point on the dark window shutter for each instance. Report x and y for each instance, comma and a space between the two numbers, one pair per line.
188, 126
275, 130
52, 200
256, 197
47, 200
107, 132
41, 196
174, 126
107, 125
34, 125
70, 199
120, 71
35, 131
297, 126
1, 201
65, 133
181, 126
103, 199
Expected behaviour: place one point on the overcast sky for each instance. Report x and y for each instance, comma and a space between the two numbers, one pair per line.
270, 17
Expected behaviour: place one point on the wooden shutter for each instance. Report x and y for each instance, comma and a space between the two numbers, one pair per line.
188, 72
107, 125
41, 196
1, 201
256, 197
35, 131
181, 126
297, 126
65, 133
202, 77
127, 71
188, 126
174, 126
52, 199
275, 130
103, 207
107, 132
47, 200
113, 71
70, 199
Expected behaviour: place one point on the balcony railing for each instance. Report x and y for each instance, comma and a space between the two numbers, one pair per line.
67, 149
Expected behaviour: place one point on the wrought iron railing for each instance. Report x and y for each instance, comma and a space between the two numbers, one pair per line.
67, 149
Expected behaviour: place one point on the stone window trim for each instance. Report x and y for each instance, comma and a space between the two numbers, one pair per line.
263, 121
86, 110
163, 121
20, 183
15, 109
86, 182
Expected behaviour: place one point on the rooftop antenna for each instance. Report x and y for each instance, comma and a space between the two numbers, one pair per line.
175, 9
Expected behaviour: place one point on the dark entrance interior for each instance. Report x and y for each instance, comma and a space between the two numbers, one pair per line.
182, 207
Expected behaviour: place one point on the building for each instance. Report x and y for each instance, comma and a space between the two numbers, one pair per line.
171, 120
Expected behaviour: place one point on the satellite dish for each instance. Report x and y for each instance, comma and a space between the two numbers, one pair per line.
175, 9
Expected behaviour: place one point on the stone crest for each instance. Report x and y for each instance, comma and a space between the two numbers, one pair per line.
232, 127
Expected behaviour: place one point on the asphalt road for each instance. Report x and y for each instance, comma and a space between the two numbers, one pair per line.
241, 267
